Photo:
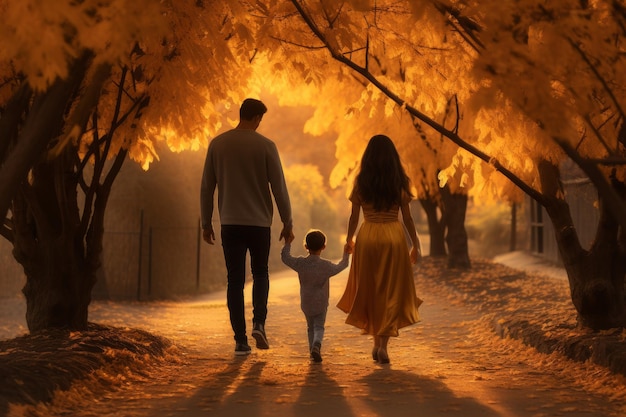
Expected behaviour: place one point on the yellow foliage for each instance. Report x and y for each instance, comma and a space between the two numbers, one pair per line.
526, 82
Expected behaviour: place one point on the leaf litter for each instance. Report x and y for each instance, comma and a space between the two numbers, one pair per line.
452, 361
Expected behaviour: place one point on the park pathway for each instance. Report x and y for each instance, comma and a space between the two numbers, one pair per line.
450, 364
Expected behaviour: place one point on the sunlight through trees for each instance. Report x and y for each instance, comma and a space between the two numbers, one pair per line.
484, 100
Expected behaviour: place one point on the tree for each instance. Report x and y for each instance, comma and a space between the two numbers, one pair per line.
583, 84
474, 81
355, 113
506, 112
143, 76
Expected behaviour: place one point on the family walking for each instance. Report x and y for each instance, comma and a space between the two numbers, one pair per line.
245, 168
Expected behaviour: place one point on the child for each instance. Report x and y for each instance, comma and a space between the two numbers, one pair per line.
314, 273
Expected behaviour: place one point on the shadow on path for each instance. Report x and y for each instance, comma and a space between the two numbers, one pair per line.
400, 393
235, 388
321, 393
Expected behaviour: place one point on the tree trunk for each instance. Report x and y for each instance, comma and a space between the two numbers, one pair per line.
455, 208
58, 280
596, 277
49, 244
597, 290
436, 228
45, 116
57, 293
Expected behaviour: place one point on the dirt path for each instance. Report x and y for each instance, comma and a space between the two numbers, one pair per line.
450, 364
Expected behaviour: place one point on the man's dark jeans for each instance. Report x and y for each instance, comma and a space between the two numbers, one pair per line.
236, 242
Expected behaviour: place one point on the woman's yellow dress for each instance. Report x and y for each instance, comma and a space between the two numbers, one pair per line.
380, 293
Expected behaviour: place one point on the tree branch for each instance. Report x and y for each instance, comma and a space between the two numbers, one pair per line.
613, 201
35, 135
599, 77
12, 115
468, 27
88, 101
598, 135
6, 231
337, 55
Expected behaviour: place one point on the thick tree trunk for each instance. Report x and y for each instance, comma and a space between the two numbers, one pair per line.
597, 290
57, 293
49, 244
436, 228
596, 277
456, 237
58, 284
58, 244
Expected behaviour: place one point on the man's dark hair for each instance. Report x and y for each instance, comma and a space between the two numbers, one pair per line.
250, 108
315, 240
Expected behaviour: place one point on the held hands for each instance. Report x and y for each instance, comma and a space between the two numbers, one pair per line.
349, 247
287, 234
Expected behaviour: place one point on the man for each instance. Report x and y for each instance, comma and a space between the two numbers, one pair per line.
246, 169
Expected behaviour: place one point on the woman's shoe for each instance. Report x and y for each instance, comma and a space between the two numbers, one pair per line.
382, 356
375, 353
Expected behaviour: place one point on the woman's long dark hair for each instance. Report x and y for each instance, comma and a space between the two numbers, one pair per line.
382, 179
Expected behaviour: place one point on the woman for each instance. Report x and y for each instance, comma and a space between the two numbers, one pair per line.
380, 294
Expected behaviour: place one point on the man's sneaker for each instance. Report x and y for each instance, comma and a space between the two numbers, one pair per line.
242, 349
316, 355
258, 332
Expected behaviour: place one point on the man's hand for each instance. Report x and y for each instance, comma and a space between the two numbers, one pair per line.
287, 234
208, 235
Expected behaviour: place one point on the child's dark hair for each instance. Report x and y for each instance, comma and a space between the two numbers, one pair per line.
315, 240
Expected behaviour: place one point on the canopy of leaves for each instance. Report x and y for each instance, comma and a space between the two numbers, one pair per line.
511, 79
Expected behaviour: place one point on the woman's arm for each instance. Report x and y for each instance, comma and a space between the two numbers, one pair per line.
352, 224
416, 250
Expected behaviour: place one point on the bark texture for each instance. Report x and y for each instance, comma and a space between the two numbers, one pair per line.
456, 236
596, 276
436, 228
